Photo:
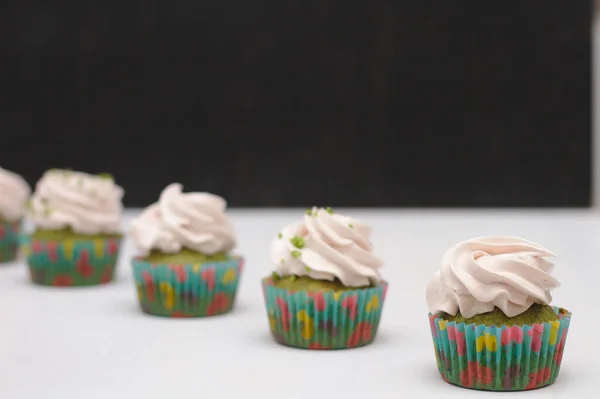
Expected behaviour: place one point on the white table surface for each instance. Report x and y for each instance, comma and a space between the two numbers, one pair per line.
95, 342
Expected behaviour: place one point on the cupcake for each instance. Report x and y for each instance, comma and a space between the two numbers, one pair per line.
187, 267
77, 218
14, 191
492, 326
326, 291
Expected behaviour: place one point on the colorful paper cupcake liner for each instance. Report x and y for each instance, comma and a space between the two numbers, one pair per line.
500, 358
324, 320
9, 240
187, 290
72, 263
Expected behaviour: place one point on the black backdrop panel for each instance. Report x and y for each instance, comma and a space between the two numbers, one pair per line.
290, 103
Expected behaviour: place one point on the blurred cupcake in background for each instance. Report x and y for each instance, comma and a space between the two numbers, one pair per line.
326, 291
77, 218
186, 267
492, 326
14, 192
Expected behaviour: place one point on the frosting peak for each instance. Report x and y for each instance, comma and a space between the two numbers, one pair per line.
192, 220
482, 273
88, 204
14, 191
326, 246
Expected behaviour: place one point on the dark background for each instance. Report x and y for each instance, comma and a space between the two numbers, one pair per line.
301, 102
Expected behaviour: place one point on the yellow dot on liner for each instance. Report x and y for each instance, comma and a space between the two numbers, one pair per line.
308, 329
229, 276
168, 294
488, 341
554, 332
373, 303
69, 247
99, 247
140, 293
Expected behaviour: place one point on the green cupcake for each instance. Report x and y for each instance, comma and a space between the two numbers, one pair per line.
78, 229
336, 304
187, 268
491, 322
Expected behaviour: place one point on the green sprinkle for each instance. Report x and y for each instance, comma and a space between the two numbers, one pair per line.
279, 235
298, 242
316, 214
329, 210
275, 276
309, 212
106, 176
307, 269
282, 260
296, 254
350, 225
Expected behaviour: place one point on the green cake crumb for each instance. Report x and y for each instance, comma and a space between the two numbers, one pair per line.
106, 176
329, 210
184, 256
305, 283
67, 234
298, 242
535, 314
296, 254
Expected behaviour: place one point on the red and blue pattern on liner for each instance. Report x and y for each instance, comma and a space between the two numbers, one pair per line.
514, 358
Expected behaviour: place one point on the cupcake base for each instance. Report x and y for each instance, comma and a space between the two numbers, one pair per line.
190, 290
500, 358
9, 241
324, 320
72, 263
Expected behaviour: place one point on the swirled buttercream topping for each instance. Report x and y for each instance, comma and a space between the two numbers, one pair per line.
483, 273
326, 246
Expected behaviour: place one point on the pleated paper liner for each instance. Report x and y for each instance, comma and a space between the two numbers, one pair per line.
324, 320
187, 290
500, 358
72, 263
9, 240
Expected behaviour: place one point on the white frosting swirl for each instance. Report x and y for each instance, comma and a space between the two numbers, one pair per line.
196, 221
88, 204
482, 273
327, 246
14, 191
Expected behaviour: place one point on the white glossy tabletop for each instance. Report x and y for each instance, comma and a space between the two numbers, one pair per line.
95, 342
